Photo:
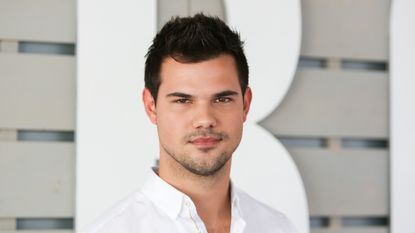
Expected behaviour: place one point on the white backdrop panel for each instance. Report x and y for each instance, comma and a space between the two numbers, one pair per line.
116, 144
271, 30
402, 136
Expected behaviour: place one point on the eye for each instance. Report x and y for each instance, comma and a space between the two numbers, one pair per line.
182, 101
223, 99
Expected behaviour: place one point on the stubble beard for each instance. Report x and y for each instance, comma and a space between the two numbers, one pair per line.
204, 169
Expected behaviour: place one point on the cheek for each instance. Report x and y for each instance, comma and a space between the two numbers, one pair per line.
233, 123
232, 116
170, 125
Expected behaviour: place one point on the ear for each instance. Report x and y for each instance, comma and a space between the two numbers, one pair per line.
247, 101
149, 105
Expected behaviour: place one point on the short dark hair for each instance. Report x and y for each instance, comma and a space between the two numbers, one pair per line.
190, 40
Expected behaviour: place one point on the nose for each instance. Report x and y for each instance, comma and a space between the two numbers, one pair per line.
204, 117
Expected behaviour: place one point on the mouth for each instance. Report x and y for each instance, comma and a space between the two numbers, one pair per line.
205, 142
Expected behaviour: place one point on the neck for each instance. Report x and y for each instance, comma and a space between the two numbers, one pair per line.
210, 194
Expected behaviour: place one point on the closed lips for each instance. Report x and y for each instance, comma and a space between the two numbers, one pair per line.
206, 141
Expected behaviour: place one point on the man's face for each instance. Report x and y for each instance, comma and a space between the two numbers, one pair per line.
199, 113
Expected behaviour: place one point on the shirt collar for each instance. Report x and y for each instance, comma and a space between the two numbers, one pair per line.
163, 195
171, 200
235, 205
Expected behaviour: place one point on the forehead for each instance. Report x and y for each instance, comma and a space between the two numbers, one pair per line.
210, 75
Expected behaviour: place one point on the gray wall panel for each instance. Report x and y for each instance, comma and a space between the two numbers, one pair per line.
212, 7
344, 182
37, 92
333, 104
346, 29
167, 8
43, 20
37, 179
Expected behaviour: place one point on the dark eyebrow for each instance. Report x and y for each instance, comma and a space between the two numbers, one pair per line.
179, 94
184, 95
225, 93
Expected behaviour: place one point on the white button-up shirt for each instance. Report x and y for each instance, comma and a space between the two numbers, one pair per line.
160, 208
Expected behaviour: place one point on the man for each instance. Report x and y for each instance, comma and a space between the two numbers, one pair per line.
197, 94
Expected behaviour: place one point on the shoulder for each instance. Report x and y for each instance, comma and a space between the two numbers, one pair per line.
258, 215
119, 217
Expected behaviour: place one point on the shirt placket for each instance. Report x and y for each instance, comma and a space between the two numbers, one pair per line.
191, 214
237, 222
